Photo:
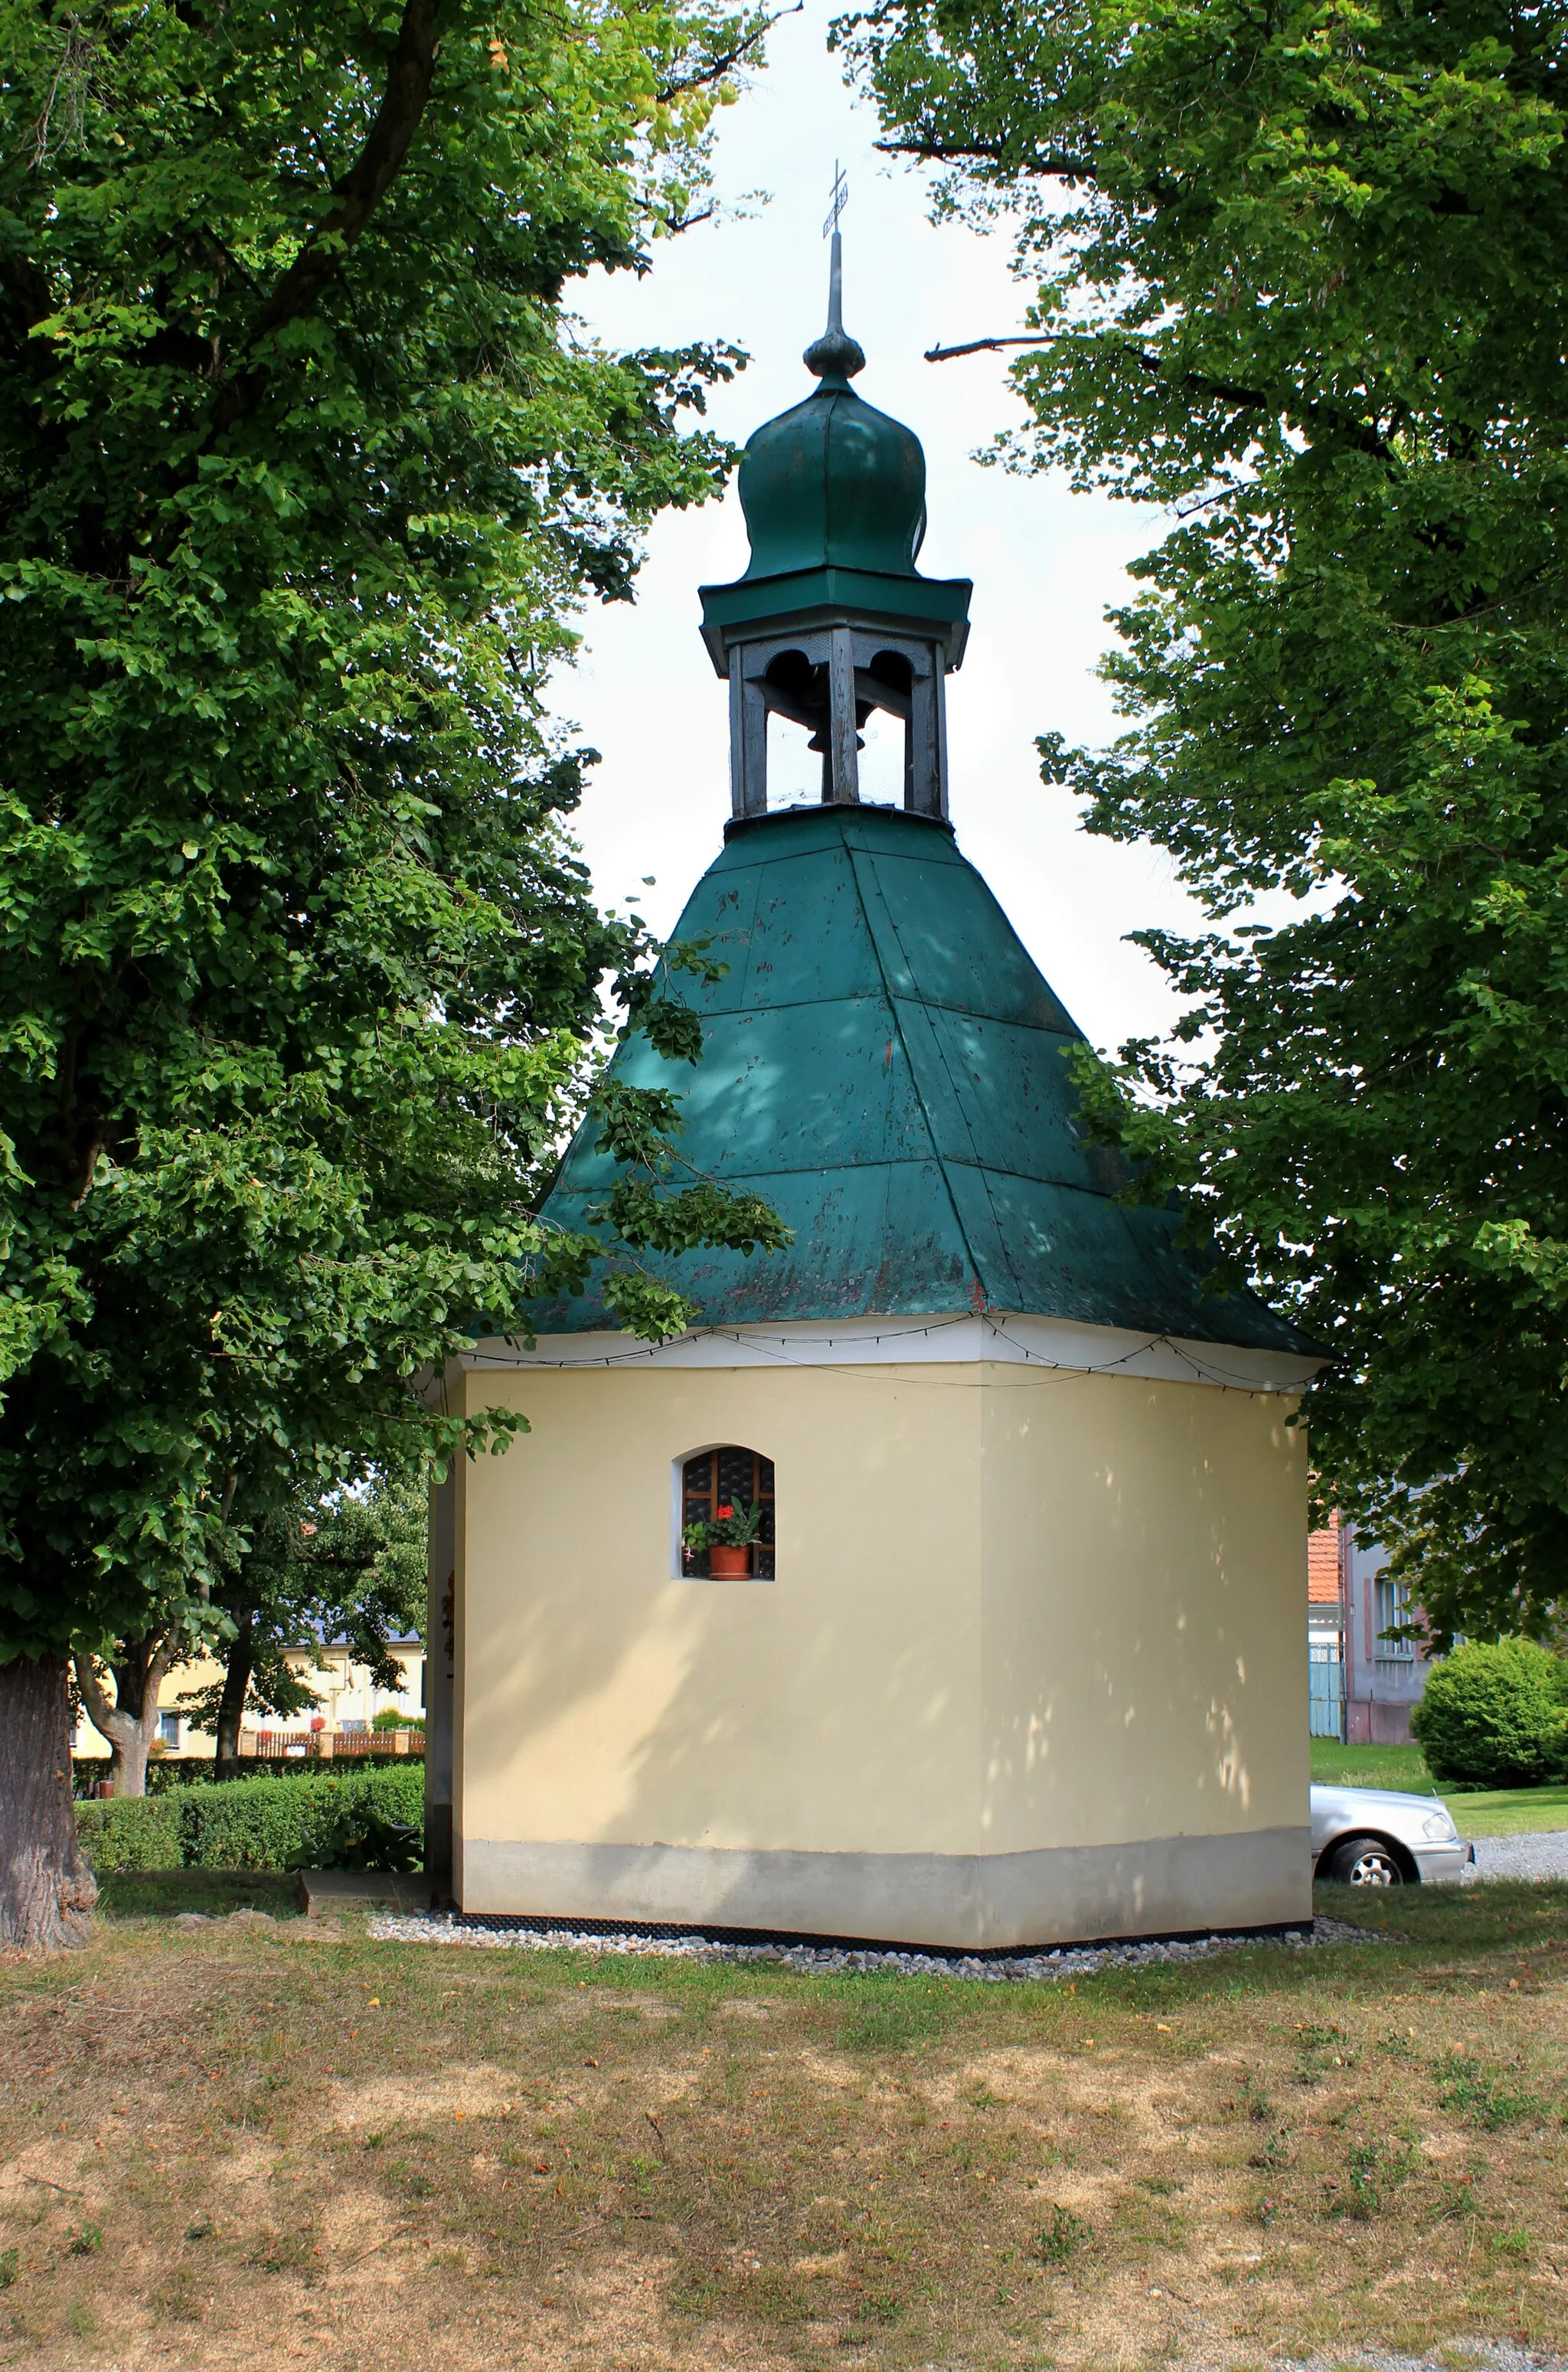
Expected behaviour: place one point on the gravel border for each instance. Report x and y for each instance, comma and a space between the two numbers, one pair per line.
1532, 1852
1457, 2355
1029, 1967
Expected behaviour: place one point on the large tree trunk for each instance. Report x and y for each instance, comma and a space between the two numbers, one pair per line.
129, 1721
236, 1687
47, 1891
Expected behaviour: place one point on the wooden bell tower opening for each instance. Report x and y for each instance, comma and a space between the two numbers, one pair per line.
829, 679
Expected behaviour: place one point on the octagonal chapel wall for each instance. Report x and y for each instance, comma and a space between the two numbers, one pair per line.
1030, 1666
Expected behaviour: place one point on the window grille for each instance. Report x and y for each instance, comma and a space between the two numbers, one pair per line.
727, 1476
1393, 1608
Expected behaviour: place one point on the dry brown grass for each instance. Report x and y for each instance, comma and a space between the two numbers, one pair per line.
253, 2143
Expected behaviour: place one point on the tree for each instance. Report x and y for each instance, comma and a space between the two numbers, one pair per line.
1301, 278
303, 469
348, 1566
128, 1719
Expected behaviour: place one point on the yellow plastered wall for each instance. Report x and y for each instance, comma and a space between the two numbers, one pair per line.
1144, 1659
1013, 1609
834, 1709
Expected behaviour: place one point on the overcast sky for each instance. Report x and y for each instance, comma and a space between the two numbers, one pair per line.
1045, 563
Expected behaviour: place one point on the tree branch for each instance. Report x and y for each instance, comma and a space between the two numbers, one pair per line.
1220, 391
360, 191
937, 152
986, 347
158, 1672
721, 66
100, 1712
1252, 399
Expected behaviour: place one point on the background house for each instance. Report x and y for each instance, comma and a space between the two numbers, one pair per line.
1363, 1685
348, 1701
1325, 1632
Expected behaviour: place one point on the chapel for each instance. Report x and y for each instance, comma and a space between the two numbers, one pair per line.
1014, 1654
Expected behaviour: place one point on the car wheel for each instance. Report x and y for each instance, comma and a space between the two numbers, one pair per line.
1362, 1861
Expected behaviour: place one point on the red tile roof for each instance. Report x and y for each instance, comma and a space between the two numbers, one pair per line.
1323, 1566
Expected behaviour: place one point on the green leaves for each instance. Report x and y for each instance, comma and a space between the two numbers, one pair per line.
303, 475
1495, 1715
649, 1218
1301, 275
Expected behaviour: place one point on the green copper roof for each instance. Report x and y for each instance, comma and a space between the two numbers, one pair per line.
832, 483
834, 496
885, 1065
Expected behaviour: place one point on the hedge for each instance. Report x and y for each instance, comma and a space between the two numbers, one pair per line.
250, 1823
131, 1832
168, 1774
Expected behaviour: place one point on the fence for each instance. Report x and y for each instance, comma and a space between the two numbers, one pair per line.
1326, 1689
328, 1745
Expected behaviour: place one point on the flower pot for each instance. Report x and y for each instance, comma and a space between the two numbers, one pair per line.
729, 1564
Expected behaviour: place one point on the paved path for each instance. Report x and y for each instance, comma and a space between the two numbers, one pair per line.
1541, 1855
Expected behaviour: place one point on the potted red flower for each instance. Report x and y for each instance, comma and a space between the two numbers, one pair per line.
728, 1537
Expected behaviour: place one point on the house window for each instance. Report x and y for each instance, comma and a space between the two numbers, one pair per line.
1393, 1608
727, 1476
169, 1729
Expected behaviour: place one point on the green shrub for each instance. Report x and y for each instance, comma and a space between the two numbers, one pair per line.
130, 1832
246, 1824
1495, 1716
168, 1773
391, 1718
275, 1824
165, 1772
363, 1838
278, 1823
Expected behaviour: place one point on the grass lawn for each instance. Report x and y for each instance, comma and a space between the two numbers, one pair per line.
1510, 1812
1370, 1766
251, 2142
1504, 1813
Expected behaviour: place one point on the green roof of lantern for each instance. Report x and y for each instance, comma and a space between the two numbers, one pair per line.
832, 483
885, 1065
834, 496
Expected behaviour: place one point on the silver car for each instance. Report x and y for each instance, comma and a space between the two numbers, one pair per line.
1371, 1836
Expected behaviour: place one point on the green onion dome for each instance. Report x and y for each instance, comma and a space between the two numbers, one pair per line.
833, 482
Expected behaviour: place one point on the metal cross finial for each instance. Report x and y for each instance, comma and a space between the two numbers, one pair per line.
840, 199
833, 354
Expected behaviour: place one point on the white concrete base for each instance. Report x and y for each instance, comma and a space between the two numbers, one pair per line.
322, 1891
975, 1901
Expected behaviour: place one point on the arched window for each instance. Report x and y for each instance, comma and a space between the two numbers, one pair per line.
727, 1476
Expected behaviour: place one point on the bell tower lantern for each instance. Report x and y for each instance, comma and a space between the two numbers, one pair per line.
832, 618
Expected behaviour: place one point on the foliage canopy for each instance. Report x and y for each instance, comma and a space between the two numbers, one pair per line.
350, 1567
303, 469
1303, 277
